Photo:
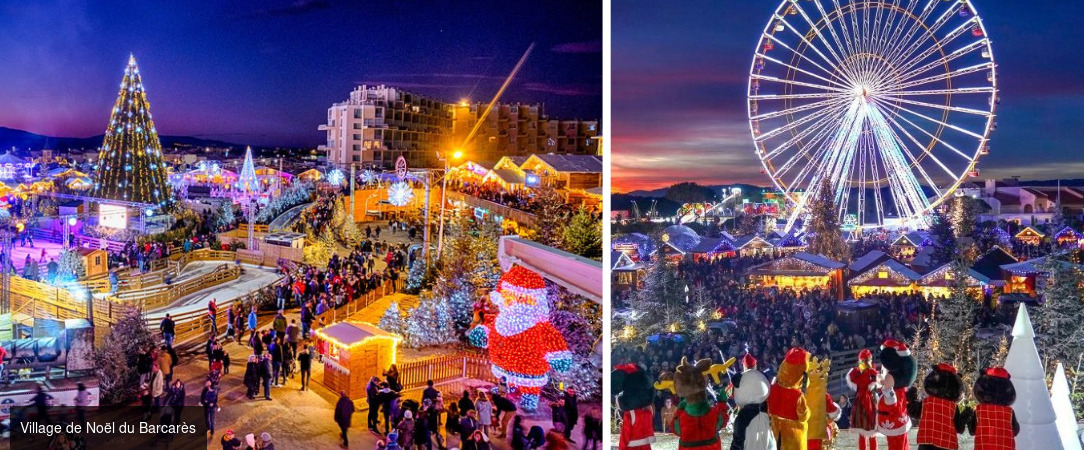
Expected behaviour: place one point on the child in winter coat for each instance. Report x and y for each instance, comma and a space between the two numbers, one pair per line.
485, 412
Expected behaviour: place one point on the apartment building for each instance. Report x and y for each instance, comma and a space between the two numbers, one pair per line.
514, 129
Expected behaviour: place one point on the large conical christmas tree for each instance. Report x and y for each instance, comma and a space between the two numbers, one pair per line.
130, 166
247, 183
1032, 407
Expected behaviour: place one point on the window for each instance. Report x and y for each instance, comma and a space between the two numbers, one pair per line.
357, 113
356, 147
571, 141
357, 158
357, 126
882, 274
357, 137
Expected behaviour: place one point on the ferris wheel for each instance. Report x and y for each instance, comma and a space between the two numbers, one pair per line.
891, 101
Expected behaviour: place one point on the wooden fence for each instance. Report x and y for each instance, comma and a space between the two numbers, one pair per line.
842, 362
416, 374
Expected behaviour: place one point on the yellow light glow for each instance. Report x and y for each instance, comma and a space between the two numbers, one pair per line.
457, 154
463, 102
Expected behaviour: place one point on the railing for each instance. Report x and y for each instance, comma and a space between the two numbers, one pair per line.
842, 362
507, 212
163, 295
336, 315
416, 374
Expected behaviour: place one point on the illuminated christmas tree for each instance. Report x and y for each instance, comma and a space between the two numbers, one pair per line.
130, 163
247, 183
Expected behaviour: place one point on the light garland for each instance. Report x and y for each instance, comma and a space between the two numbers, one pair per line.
523, 345
400, 193
130, 161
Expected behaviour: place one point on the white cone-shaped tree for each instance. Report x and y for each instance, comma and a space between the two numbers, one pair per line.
1032, 407
1063, 410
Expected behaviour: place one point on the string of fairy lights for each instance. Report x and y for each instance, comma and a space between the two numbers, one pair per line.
130, 165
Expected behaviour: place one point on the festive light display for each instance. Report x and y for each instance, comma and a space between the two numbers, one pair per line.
523, 345
130, 165
864, 94
335, 177
400, 193
247, 183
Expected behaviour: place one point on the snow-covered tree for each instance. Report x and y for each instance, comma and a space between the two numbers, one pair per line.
225, 216
954, 325
392, 321
944, 238
416, 277
444, 328
550, 217
70, 267
430, 324
115, 360
825, 236
580, 323
318, 251
583, 235
468, 265
1057, 322
661, 301
346, 231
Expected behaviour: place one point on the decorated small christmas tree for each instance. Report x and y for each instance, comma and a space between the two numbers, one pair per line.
130, 165
392, 321
1032, 407
826, 238
1063, 411
419, 332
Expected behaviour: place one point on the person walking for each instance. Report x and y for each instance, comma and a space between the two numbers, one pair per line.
165, 364
168, 329
208, 398
278, 326
82, 400
276, 361
467, 425
304, 362
406, 430
592, 431
344, 409
252, 376
230, 318
252, 323
293, 332
572, 411
465, 403
265, 441
212, 315
485, 412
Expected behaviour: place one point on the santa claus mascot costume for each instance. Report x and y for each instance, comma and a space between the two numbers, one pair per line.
863, 381
523, 345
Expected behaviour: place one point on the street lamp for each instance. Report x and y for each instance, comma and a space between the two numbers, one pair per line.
457, 154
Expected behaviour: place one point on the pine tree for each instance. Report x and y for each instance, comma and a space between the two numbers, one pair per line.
225, 216
416, 277
346, 231
550, 218
944, 237
115, 360
583, 235
953, 324
661, 302
826, 238
468, 264
392, 321
962, 212
70, 267
1057, 323
419, 331
444, 328
130, 165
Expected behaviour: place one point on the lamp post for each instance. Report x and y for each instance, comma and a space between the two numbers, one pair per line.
443, 195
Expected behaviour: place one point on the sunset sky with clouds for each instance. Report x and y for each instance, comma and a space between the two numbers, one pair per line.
680, 72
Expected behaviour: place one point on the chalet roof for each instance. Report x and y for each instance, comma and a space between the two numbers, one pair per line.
1037, 193
743, 241
349, 333
1034, 230
989, 265
680, 237
923, 260
869, 260
509, 176
572, 163
712, 245
1007, 199
621, 260
936, 277
915, 238
1066, 231
644, 245
797, 264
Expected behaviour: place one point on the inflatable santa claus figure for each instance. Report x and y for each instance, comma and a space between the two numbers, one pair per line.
522, 343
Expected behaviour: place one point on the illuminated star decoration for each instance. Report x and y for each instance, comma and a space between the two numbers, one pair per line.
335, 176
400, 193
369, 176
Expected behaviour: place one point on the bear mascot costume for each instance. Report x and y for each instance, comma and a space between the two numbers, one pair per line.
893, 420
523, 345
941, 419
994, 423
863, 380
634, 397
697, 422
752, 427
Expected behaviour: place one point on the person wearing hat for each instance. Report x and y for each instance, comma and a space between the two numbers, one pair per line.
265, 441
406, 430
229, 441
863, 380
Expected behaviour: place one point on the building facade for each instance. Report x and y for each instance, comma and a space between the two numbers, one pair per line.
514, 129
378, 124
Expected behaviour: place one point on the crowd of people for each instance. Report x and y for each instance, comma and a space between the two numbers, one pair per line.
522, 200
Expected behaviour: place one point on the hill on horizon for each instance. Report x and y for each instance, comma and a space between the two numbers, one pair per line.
25, 140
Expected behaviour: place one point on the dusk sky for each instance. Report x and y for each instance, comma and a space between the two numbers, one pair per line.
680, 73
265, 72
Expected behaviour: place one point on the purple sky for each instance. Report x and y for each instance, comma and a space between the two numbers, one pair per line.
265, 72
